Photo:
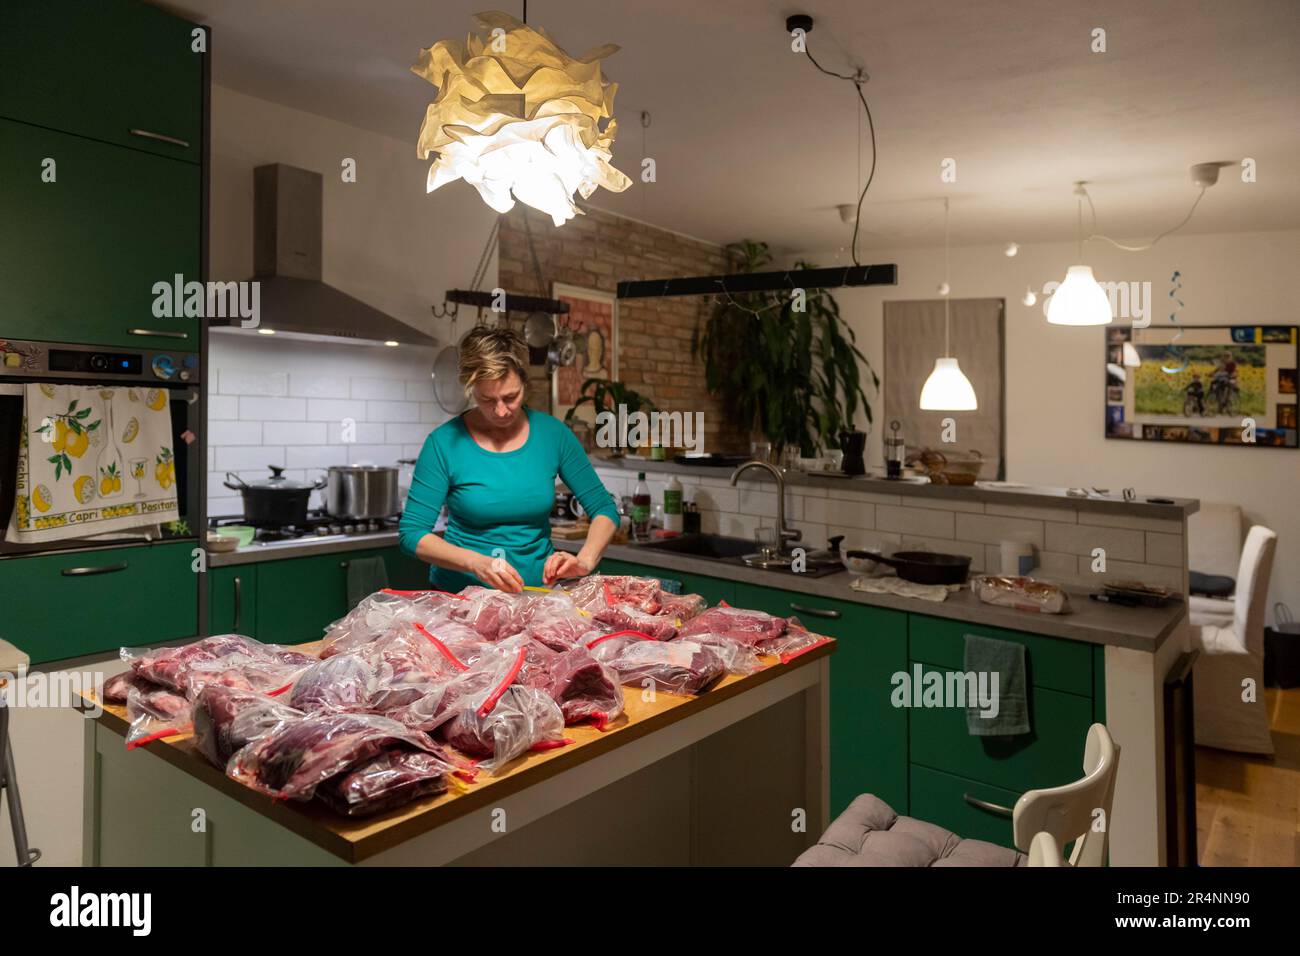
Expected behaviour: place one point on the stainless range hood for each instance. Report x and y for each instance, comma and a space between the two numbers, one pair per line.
287, 266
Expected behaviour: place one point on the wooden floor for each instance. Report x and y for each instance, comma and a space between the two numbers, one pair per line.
1248, 808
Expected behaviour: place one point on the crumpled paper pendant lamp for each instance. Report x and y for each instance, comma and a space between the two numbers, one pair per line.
519, 119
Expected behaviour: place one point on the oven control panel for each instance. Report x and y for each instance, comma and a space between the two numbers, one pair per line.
40, 360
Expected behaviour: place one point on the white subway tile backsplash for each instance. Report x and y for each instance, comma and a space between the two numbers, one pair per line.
386, 389
840, 513
405, 434
315, 456
920, 521
234, 433
1053, 564
1062, 514
232, 381
253, 457
1166, 526
718, 499
294, 433
960, 505
429, 412
866, 497
222, 407
1160, 575
993, 529
266, 409
373, 454
755, 502
335, 410
814, 535
1120, 544
308, 385
389, 412
212, 457
420, 391
972, 549
1166, 549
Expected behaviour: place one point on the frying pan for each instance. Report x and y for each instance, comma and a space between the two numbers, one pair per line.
922, 567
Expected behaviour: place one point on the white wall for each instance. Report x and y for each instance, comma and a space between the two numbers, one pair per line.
1054, 375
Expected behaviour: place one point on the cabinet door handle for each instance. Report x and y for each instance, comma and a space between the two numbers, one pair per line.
344, 564
990, 807
161, 333
239, 604
160, 137
102, 569
816, 611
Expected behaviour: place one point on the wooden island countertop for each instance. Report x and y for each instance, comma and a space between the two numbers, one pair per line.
354, 840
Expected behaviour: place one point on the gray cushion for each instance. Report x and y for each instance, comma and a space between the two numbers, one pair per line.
870, 833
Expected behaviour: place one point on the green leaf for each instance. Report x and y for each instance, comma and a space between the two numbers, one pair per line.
83, 413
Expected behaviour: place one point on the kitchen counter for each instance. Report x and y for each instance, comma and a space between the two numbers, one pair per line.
1027, 495
1140, 628
656, 788
301, 547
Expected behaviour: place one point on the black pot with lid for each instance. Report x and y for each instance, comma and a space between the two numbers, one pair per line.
274, 502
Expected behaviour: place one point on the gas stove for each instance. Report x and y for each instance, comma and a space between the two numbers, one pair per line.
318, 526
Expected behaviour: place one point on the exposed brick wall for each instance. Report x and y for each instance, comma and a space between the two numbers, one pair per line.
595, 251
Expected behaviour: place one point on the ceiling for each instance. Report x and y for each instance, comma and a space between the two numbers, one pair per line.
750, 140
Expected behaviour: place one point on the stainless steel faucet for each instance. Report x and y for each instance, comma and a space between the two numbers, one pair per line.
783, 534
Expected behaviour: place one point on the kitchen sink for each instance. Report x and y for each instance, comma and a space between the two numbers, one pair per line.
717, 546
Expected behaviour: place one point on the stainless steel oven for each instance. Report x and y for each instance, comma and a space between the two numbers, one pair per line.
178, 373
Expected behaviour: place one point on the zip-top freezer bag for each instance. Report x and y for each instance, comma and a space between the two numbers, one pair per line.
226, 720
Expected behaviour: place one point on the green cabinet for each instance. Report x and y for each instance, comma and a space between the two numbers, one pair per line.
293, 600
70, 604
119, 71
79, 256
868, 735
954, 803
1049, 661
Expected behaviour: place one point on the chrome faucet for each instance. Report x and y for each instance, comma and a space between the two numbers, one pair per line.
783, 534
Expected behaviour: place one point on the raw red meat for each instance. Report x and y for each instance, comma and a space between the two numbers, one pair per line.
519, 718
344, 682
626, 617
385, 782
266, 666
383, 611
792, 643
294, 759
550, 617
608, 590
227, 720
118, 687
747, 627
678, 667
154, 714
682, 607
584, 687
486, 610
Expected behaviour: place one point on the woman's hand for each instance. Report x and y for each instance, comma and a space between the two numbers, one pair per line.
496, 573
562, 564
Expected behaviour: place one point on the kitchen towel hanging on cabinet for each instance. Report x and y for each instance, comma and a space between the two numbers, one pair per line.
92, 460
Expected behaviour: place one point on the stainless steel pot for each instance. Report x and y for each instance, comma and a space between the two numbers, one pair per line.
362, 491
274, 502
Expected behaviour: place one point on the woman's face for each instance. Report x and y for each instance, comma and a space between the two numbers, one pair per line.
500, 401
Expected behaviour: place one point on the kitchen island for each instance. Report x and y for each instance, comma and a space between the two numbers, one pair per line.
736, 775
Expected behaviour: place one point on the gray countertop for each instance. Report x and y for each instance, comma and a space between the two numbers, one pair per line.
1113, 503
1140, 628
301, 548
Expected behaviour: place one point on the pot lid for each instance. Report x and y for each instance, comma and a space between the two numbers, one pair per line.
277, 482
366, 468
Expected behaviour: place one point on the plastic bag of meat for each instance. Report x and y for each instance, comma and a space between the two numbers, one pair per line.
627, 617
486, 610
118, 687
265, 664
678, 667
607, 647
154, 714
226, 720
383, 611
748, 627
796, 640
683, 607
409, 664
456, 639
597, 591
488, 714
549, 616
344, 682
585, 688
737, 656
385, 782
293, 760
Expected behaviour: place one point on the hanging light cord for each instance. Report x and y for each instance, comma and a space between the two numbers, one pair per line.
857, 80
1120, 245
947, 351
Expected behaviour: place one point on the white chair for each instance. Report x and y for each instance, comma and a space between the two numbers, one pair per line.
1044, 851
1232, 656
1214, 541
1078, 811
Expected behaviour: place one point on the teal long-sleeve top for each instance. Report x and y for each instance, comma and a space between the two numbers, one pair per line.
498, 499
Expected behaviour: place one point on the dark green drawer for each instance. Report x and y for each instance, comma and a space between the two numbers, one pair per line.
1051, 754
66, 605
940, 798
1051, 662
232, 600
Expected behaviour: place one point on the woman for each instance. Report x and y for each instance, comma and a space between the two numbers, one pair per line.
494, 467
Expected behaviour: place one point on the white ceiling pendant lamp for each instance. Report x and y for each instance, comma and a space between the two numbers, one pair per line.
947, 389
1079, 300
518, 118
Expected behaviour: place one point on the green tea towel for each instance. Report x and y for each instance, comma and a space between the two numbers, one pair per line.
986, 657
365, 577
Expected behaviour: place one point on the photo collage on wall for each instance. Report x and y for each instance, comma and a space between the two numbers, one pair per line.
1203, 384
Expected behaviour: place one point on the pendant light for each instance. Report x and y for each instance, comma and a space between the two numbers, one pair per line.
1079, 300
518, 118
947, 389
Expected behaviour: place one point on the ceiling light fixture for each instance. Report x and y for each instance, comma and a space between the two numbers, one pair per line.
947, 388
1012, 249
1029, 297
1079, 300
518, 118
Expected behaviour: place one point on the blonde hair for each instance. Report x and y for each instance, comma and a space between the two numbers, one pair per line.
487, 354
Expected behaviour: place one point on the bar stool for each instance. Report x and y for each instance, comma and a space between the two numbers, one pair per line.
12, 661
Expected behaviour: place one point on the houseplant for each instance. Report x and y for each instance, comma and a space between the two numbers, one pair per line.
604, 395
792, 374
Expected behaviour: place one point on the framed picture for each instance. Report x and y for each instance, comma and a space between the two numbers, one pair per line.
593, 324
1228, 385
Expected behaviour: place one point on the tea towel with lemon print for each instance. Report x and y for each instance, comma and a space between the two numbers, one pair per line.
92, 460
